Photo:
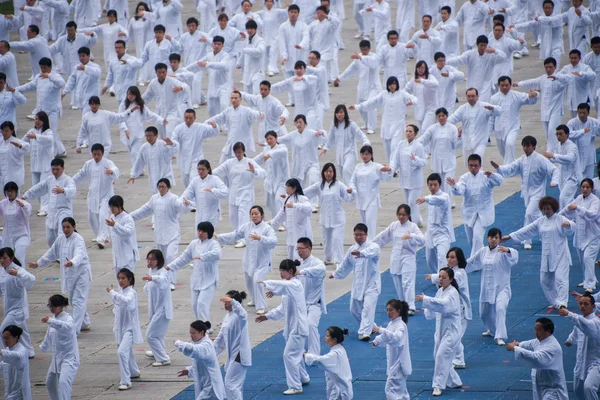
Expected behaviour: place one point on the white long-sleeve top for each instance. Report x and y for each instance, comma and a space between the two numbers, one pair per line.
495, 268
585, 141
312, 275
205, 254
192, 48
587, 220
241, 180
462, 280
472, 15
277, 168
41, 150
322, 36
426, 48
449, 34
394, 105
231, 36
159, 293
61, 341
546, 361
155, 52
475, 120
72, 249
169, 15
381, 17
271, 108
480, 68
343, 138
233, 336
239, 121
68, 49
101, 187
157, 157
109, 34
95, 127
478, 201
16, 220
167, 102
393, 60
208, 203
591, 60
122, 73
508, 46
14, 290
569, 169
7, 25
297, 219
58, 203
426, 93
205, 368
305, 92
365, 184
330, 194
365, 269
337, 372
555, 246
534, 170
304, 146
443, 141
403, 257
8, 65
8, 104
135, 122
292, 307
396, 341
219, 72
586, 334
577, 26
445, 307
271, 20
579, 87
124, 241
12, 159
252, 59
367, 71
552, 93
446, 93
510, 105
165, 209
37, 48
439, 219
550, 33
126, 314
257, 254
85, 13
48, 92
410, 171
190, 144
14, 364
289, 36
83, 84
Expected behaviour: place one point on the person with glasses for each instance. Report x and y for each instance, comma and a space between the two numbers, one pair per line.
14, 364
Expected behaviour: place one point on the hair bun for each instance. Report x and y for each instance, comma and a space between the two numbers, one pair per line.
345, 331
207, 323
297, 263
243, 295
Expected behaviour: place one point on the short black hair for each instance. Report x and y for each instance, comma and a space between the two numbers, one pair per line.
361, 227
160, 66
174, 57
482, 39
207, 227
474, 157
546, 323
438, 55
575, 51
98, 146
529, 141
57, 162
364, 43
505, 78
84, 50
251, 24
550, 60
434, 177
160, 28
218, 39
564, 128
493, 232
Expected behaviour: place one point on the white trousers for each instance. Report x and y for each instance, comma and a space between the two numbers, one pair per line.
274, 201
479, 150
19, 245
333, 243
369, 116
506, 146
201, 300
436, 256
405, 287
588, 388
567, 193
198, 96
97, 218
494, 316
388, 147
289, 74
444, 374
127, 364
235, 375
218, 103
133, 146
410, 198
271, 57
363, 311
345, 171
532, 212
550, 129
37, 177
555, 286
293, 359
59, 147
18, 319
587, 260
239, 215
369, 218
78, 297
256, 291
169, 251
292, 253
60, 385
475, 235
51, 235
313, 342
459, 357
445, 186
310, 176
395, 387
359, 18
588, 171
155, 335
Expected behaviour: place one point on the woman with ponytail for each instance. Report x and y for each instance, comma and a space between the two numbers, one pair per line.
61, 341
234, 338
14, 364
338, 375
208, 382
445, 308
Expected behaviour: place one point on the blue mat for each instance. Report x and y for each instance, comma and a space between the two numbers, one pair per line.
491, 371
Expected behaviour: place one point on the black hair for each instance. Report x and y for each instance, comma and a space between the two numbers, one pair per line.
288, 265
300, 64
223, 16
482, 39
316, 53
325, 168
35, 29
10, 254
474, 157
585, 180
58, 300
45, 62
271, 133
406, 209
8, 124
159, 28
71, 24
206, 163
293, 7
450, 273
134, 90
128, 274
460, 256
586, 295
390, 80
84, 50
575, 51
392, 33
160, 66
190, 111
428, 16
174, 57
121, 42
472, 88
14, 331
94, 100
239, 146
116, 201
266, 83
550, 60
361, 227
529, 141
11, 187
259, 208
57, 162
441, 110
251, 24
191, 20
97, 146
295, 184
305, 241
446, 8
337, 333
219, 39
493, 232
322, 8
206, 227
595, 40
564, 128
401, 306
2, 76
112, 13
201, 326
140, 4
42, 116
70, 221
415, 128
237, 296
434, 177
438, 55
165, 181
338, 108
548, 2
583, 106
505, 78
300, 116
419, 64
546, 323
152, 129
367, 148
158, 255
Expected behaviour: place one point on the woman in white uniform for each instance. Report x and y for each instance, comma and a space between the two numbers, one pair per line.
208, 382
425, 88
14, 364
75, 270
406, 238
296, 212
160, 307
332, 216
15, 213
127, 326
445, 308
235, 340
140, 31
109, 32
274, 160
15, 283
206, 191
260, 241
395, 339
61, 341
122, 235
12, 156
365, 187
338, 375
293, 309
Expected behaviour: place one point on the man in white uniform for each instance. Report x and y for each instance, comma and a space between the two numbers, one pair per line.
584, 130
8, 64
447, 77
67, 47
275, 113
567, 156
84, 82
156, 154
160, 48
472, 16
252, 59
122, 72
427, 41
322, 35
10, 98
393, 56
448, 29
581, 79
292, 35
37, 47
194, 46
305, 90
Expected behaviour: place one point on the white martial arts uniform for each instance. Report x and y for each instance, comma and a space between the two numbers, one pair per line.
495, 293
381, 16
208, 382
447, 85
12, 159
592, 60
305, 96
124, 242
547, 373
61, 341
556, 257
169, 105
14, 364
343, 137
366, 283
8, 105
322, 36
393, 60
8, 65
289, 36
252, 61
405, 19
449, 34
408, 161
277, 170
297, 222
579, 87
41, 154
273, 111
109, 33
95, 128
272, 19
312, 275
445, 308
569, 170
16, 233
257, 256
322, 89
134, 126
550, 35
239, 121
426, 93
68, 48
426, 48
338, 375
83, 84
399, 364
160, 312
121, 75
293, 309
586, 334
476, 121
158, 52
219, 80
168, 14
85, 13
189, 141
578, 28
508, 46
440, 231
16, 307
206, 195
585, 142
37, 47
157, 157
403, 261
480, 69
205, 274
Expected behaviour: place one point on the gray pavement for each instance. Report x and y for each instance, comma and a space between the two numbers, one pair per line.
98, 375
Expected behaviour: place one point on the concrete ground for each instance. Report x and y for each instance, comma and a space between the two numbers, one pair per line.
98, 375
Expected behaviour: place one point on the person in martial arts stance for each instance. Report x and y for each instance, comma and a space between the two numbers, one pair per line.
447, 77
13, 150
406, 237
440, 231
205, 253
15, 364
102, 174
445, 308
545, 357
553, 230
61, 341
478, 210
274, 160
260, 241
157, 155
205, 370
122, 235
293, 309
586, 334
160, 307
338, 375
234, 338
495, 263
362, 258
395, 339
75, 271
15, 212
583, 132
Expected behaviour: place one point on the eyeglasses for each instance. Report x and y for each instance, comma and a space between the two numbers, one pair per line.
301, 248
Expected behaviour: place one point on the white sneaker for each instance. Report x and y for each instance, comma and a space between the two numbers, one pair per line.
42, 213
358, 35
281, 229
250, 304
172, 287
364, 338
84, 146
329, 262
124, 387
370, 132
85, 328
289, 104
550, 307
196, 106
31, 116
486, 333
453, 206
149, 354
261, 311
580, 284
239, 245
74, 108
527, 246
535, 45
437, 392
271, 73
366, 37
411, 313
161, 363
315, 209
500, 342
94, 240
292, 392
306, 383
141, 84
517, 56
